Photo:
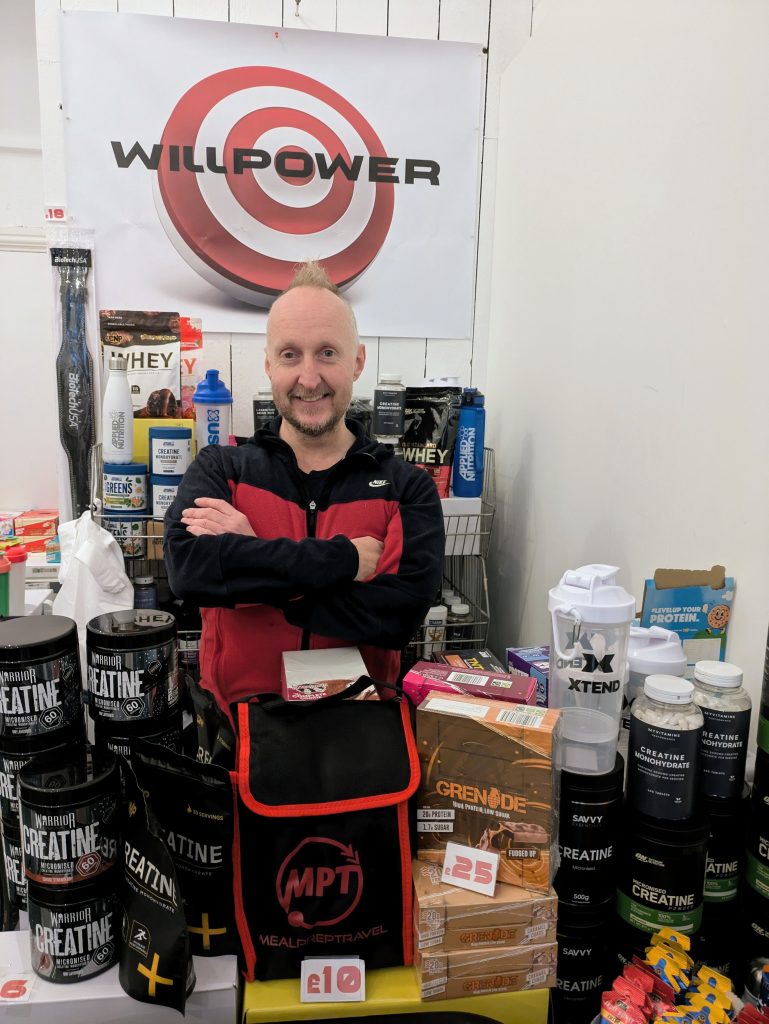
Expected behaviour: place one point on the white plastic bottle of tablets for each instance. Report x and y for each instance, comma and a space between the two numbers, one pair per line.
725, 707
665, 731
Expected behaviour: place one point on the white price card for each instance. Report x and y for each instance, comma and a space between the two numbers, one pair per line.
16, 987
333, 980
472, 869
56, 213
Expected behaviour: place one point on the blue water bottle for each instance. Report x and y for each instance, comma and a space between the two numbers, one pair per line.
467, 480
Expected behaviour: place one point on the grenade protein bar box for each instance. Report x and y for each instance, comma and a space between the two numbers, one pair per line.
447, 918
488, 781
475, 972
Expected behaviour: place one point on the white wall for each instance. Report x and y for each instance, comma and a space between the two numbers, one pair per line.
628, 356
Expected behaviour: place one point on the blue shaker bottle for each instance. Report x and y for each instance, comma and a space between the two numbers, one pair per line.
467, 477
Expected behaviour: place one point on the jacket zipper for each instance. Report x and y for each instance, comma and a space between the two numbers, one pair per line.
312, 509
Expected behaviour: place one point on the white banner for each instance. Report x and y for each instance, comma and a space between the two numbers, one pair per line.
210, 158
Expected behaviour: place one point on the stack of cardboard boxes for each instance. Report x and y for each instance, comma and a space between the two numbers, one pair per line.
488, 781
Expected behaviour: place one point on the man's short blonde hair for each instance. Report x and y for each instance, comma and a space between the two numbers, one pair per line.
312, 274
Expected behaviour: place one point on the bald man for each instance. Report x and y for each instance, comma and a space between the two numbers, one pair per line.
310, 535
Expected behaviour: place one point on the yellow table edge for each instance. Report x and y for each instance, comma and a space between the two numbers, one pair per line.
388, 991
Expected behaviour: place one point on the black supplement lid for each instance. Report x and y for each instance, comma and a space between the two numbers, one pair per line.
131, 629
32, 638
60, 780
72, 897
609, 785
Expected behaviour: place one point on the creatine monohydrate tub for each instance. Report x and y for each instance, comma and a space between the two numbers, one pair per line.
16, 752
68, 809
132, 665
661, 880
74, 933
119, 737
40, 682
586, 966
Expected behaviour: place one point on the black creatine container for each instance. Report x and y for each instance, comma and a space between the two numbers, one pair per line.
68, 809
15, 753
132, 665
74, 934
589, 822
15, 883
763, 715
760, 790
586, 966
661, 878
40, 682
118, 737
757, 859
727, 820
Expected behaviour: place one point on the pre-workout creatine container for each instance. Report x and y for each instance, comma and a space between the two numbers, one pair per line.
725, 707
40, 683
589, 818
585, 963
132, 665
661, 877
118, 737
74, 934
68, 808
16, 883
727, 821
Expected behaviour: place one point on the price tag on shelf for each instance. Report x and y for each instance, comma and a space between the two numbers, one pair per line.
16, 987
472, 869
333, 980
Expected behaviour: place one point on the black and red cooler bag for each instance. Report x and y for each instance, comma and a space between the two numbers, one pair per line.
322, 853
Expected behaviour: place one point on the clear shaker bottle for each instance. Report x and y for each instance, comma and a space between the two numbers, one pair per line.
591, 618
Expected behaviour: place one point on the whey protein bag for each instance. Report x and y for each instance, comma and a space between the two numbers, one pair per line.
151, 344
155, 961
209, 737
197, 829
430, 430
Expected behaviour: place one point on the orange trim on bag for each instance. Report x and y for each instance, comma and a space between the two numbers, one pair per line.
246, 942
406, 883
361, 803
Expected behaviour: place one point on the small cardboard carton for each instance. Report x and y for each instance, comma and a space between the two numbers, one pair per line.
480, 971
447, 918
482, 661
37, 526
427, 675
534, 662
488, 781
308, 675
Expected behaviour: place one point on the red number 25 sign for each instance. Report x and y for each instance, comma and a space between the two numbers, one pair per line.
469, 868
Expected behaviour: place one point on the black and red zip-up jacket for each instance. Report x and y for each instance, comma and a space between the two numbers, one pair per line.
293, 585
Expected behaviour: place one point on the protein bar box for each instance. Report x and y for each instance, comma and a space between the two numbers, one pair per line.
488, 781
447, 918
475, 972
483, 661
427, 675
534, 662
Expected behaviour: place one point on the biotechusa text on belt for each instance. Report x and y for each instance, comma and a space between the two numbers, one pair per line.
132, 665
488, 781
74, 935
40, 684
68, 815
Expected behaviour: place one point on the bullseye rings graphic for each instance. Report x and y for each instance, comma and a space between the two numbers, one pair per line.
245, 232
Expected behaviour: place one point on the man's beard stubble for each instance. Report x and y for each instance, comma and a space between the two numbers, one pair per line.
308, 429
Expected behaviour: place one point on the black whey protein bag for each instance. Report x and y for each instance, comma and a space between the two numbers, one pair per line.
192, 804
322, 848
209, 737
155, 961
430, 431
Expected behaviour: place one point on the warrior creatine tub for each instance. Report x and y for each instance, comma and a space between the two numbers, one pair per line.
14, 870
661, 877
118, 737
15, 753
74, 933
132, 667
40, 684
68, 809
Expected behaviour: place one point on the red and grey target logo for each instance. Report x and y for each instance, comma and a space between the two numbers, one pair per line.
260, 168
319, 883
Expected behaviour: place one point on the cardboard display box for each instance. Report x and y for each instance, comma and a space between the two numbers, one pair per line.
488, 781
482, 661
534, 662
447, 918
479, 971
